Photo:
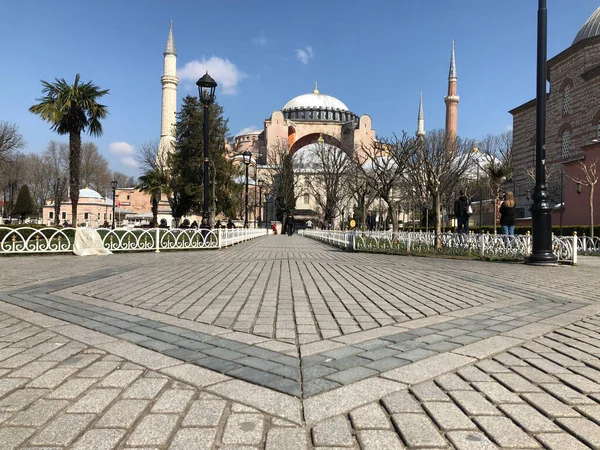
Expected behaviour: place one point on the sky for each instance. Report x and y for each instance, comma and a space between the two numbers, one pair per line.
375, 56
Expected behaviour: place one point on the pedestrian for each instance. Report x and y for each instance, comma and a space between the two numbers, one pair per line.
309, 224
230, 224
289, 224
462, 211
218, 224
370, 221
507, 215
195, 224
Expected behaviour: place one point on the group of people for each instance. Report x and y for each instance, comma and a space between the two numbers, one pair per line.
463, 210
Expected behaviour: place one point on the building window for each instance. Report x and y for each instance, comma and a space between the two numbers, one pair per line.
566, 143
128, 197
50, 215
64, 215
567, 100
86, 216
306, 198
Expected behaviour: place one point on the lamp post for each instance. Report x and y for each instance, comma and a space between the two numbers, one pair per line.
541, 218
113, 185
254, 206
260, 186
206, 94
247, 158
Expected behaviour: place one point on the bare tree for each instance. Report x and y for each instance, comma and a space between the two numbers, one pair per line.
10, 140
283, 182
122, 179
496, 163
438, 164
13, 173
360, 189
325, 170
588, 177
384, 170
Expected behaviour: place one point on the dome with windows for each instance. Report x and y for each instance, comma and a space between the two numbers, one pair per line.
89, 193
590, 28
317, 107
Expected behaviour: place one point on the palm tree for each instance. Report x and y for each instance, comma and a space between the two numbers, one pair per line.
72, 109
153, 182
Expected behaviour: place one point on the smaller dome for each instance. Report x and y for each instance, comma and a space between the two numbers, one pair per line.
89, 193
590, 28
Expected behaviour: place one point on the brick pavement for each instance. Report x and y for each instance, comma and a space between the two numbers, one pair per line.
286, 343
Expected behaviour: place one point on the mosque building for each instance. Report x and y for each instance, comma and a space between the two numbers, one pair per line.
572, 127
303, 122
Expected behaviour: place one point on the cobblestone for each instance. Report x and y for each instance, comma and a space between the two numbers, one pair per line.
64, 385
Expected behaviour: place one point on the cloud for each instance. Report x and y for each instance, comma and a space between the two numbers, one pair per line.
128, 161
246, 130
124, 151
121, 148
225, 73
260, 40
305, 54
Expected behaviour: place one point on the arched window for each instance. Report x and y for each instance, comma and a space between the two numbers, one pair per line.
567, 100
566, 143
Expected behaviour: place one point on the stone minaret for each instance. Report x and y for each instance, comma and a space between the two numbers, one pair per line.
169, 83
421, 120
452, 98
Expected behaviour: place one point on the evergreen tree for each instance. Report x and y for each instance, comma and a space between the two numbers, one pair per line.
186, 162
25, 205
285, 195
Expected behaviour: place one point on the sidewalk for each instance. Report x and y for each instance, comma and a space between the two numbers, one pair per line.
285, 343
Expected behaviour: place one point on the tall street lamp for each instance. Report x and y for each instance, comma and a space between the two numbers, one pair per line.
260, 186
254, 206
247, 158
113, 185
541, 218
206, 94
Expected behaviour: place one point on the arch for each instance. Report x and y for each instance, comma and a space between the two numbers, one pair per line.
312, 138
291, 135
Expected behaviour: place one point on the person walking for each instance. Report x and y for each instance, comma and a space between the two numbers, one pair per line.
462, 207
507, 215
370, 221
289, 224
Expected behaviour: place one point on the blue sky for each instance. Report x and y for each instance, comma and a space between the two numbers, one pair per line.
374, 56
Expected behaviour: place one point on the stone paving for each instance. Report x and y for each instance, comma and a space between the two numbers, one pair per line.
285, 343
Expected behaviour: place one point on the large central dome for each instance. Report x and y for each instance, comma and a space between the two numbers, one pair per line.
315, 100
590, 28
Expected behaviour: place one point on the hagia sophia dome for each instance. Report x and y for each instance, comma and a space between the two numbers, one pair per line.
590, 28
316, 106
315, 100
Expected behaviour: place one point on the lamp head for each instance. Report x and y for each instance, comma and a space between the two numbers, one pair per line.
206, 89
247, 157
260, 182
114, 184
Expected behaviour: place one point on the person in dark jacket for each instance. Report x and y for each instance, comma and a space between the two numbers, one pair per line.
507, 215
461, 212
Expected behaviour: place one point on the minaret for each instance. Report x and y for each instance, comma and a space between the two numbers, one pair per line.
451, 99
421, 120
169, 83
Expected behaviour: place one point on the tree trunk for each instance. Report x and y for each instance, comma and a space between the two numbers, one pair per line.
74, 167
438, 219
592, 211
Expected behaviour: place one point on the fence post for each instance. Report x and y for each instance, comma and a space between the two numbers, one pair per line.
408, 243
482, 245
157, 239
584, 243
575, 247
219, 239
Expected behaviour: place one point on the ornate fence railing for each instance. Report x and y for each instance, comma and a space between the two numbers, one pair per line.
60, 240
485, 246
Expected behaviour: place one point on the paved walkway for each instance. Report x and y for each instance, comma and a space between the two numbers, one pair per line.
286, 343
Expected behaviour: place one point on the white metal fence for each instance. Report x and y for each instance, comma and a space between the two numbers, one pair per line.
491, 246
60, 240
